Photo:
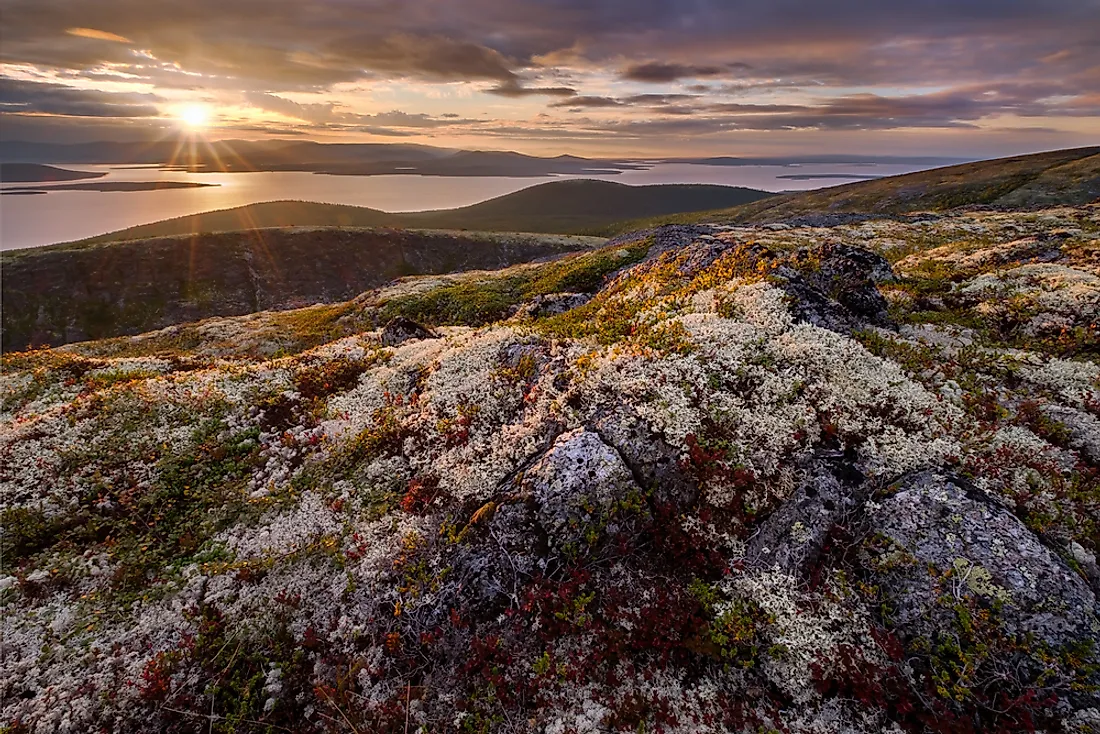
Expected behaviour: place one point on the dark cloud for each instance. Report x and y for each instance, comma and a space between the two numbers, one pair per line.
656, 72
579, 102
431, 57
513, 88
324, 41
799, 60
660, 102
657, 99
57, 99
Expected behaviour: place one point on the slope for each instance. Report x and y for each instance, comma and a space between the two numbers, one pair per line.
752, 483
1055, 177
562, 207
55, 295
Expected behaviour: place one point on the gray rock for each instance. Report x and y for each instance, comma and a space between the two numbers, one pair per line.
576, 484
1083, 428
791, 539
653, 461
934, 521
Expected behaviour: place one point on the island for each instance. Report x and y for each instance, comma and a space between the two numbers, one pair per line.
108, 186
38, 173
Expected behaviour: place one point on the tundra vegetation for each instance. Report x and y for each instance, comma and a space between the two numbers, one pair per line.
706, 478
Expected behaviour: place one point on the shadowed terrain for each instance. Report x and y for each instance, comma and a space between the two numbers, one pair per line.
54, 296
560, 207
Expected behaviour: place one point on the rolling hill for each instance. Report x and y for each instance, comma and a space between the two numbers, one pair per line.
558, 207
1056, 177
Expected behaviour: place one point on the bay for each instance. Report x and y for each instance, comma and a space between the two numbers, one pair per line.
64, 216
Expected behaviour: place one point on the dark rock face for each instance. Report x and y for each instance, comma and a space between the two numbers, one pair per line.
553, 304
833, 286
400, 330
791, 539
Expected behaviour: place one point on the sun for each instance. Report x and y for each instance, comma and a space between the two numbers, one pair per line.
195, 116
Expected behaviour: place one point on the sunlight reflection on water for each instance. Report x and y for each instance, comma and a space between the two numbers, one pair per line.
61, 216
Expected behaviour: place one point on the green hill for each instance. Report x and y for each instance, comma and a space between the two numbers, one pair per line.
558, 207
1041, 179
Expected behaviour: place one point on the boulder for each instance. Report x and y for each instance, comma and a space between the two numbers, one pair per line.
400, 330
576, 485
791, 539
945, 537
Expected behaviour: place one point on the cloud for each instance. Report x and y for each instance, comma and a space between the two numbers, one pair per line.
775, 65
316, 112
97, 34
657, 72
431, 56
649, 100
56, 99
328, 116
587, 101
512, 88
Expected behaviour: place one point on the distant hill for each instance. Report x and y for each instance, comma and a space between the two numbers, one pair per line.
37, 173
359, 159
1041, 179
58, 295
561, 207
580, 205
253, 216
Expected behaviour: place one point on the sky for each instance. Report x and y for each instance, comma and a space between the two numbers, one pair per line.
973, 78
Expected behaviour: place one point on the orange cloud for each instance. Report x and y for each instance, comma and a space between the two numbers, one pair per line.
97, 34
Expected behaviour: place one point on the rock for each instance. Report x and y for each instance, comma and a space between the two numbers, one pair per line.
654, 463
576, 484
791, 539
1083, 428
832, 286
934, 521
401, 330
835, 287
553, 304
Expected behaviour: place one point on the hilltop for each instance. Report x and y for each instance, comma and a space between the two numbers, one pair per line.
558, 207
1040, 179
700, 479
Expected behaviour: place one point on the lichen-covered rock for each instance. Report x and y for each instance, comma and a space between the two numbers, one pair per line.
943, 547
791, 539
654, 463
985, 552
576, 486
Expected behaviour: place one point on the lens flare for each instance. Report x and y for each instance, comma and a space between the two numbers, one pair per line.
195, 116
